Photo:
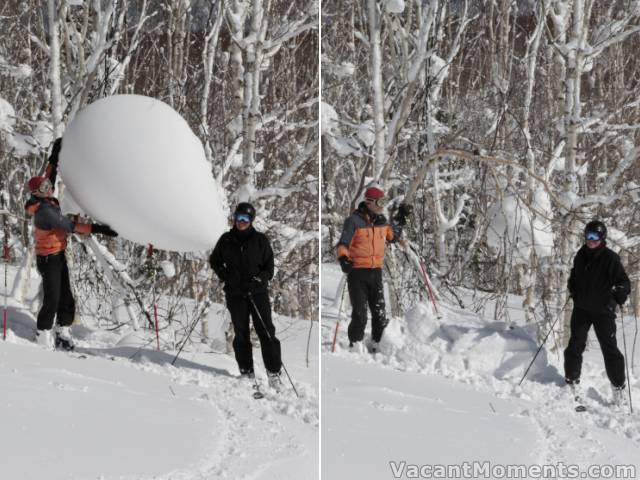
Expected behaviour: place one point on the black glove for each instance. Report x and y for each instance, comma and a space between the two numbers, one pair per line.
55, 152
619, 295
404, 210
345, 264
379, 219
255, 284
103, 230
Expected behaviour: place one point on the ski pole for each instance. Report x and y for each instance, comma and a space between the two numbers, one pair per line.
428, 283
417, 260
271, 340
626, 364
335, 334
635, 337
186, 339
541, 345
155, 315
155, 304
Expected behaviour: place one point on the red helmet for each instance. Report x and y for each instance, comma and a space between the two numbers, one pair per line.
373, 193
34, 183
39, 184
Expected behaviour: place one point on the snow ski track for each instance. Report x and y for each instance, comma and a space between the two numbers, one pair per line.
549, 405
244, 421
560, 426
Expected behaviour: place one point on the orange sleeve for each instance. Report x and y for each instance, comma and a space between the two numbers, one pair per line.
32, 209
390, 234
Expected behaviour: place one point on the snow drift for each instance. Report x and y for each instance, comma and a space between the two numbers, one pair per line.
133, 162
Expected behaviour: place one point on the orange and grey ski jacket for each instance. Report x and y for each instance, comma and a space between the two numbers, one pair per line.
50, 226
364, 237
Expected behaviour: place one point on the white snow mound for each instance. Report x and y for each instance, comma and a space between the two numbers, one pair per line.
133, 163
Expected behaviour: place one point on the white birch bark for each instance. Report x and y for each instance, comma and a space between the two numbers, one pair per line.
54, 69
208, 57
533, 47
376, 85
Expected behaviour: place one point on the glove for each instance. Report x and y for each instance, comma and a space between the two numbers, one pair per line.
103, 230
345, 264
379, 219
619, 295
255, 284
55, 152
404, 210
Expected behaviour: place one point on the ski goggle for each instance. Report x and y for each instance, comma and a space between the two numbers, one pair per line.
593, 236
45, 186
378, 202
242, 218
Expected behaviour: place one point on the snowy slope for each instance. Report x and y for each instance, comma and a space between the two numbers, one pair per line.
111, 417
446, 391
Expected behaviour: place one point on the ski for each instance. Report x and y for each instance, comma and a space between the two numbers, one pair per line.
255, 386
579, 407
84, 353
257, 393
73, 354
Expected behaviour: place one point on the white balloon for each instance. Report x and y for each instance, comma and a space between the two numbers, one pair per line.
132, 162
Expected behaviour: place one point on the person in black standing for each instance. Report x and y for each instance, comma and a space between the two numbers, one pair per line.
597, 284
243, 260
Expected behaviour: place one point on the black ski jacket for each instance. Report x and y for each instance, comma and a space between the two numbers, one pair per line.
243, 261
598, 280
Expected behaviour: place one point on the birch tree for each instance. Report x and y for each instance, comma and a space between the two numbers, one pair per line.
520, 128
56, 57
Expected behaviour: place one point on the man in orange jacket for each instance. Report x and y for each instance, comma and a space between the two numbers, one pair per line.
51, 229
360, 252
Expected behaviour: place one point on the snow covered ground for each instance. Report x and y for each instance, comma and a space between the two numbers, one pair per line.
110, 416
445, 392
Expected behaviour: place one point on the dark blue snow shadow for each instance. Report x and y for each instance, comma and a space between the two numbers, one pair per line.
142, 355
593, 394
520, 345
21, 322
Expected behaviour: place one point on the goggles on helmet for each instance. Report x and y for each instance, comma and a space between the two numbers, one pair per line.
242, 218
593, 236
45, 186
378, 202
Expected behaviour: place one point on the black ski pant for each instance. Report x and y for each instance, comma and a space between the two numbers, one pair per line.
240, 308
604, 325
365, 288
58, 299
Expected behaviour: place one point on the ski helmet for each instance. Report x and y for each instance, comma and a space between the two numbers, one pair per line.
247, 209
38, 185
373, 193
598, 227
